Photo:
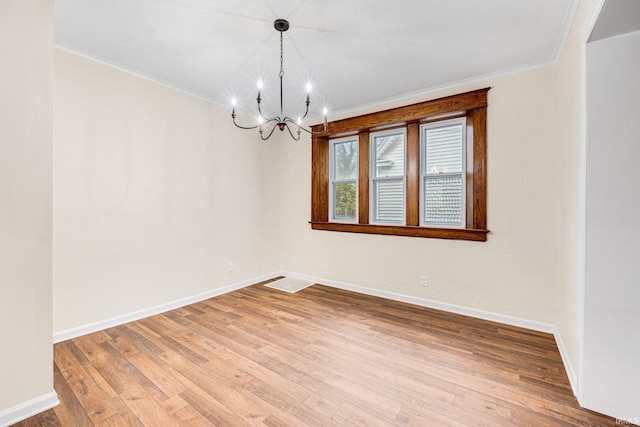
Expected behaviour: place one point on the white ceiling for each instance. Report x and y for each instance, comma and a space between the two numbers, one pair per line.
617, 17
356, 53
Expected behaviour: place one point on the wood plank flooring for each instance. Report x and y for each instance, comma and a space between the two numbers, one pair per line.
319, 357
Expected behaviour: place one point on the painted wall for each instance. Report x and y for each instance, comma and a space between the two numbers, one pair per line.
612, 295
26, 44
155, 192
515, 273
147, 207
570, 124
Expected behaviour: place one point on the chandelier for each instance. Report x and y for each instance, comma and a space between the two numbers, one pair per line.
266, 126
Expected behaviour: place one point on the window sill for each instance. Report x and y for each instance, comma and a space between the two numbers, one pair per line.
397, 230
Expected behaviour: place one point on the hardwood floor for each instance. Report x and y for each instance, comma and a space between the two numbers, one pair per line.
319, 357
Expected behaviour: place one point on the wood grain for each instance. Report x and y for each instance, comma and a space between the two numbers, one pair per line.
413, 175
319, 357
414, 112
319, 179
478, 199
437, 233
472, 105
364, 154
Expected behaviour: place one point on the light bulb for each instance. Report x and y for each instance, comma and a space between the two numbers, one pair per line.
260, 120
325, 111
260, 84
308, 87
233, 102
299, 120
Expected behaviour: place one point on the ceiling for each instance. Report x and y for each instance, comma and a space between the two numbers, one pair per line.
617, 17
356, 53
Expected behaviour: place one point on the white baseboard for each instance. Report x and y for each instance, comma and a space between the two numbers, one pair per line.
423, 302
137, 315
568, 367
28, 409
452, 308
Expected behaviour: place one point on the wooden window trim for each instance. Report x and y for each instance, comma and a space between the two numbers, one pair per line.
473, 105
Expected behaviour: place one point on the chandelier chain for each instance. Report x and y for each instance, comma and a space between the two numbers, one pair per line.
281, 57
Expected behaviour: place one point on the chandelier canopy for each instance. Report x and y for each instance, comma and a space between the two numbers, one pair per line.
266, 126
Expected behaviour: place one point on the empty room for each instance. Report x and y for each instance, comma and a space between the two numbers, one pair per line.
337, 213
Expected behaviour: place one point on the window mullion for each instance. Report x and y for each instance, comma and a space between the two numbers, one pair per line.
413, 175
363, 177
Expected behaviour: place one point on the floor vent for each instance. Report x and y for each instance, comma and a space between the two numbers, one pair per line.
289, 284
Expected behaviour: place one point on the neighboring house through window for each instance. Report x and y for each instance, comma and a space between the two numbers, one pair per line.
388, 176
442, 147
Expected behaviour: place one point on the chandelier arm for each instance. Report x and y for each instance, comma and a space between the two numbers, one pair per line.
243, 127
295, 138
275, 119
269, 135
260, 110
290, 120
310, 132
293, 122
306, 111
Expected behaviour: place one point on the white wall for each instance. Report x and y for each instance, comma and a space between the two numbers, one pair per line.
154, 193
146, 211
515, 273
612, 294
26, 44
570, 139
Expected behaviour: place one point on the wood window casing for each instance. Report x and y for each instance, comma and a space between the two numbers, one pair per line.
472, 105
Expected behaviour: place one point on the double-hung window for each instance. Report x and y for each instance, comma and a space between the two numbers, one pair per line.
442, 164
344, 179
417, 170
388, 176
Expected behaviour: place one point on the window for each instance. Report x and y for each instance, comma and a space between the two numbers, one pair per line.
443, 173
344, 179
387, 176
418, 170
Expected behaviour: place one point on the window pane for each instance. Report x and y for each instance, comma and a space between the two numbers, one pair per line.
443, 199
389, 200
345, 160
344, 203
389, 152
444, 149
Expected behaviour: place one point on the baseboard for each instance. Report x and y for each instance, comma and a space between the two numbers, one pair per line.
28, 409
452, 308
137, 315
423, 302
568, 367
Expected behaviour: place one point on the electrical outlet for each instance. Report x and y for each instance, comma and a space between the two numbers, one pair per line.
423, 280
230, 267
